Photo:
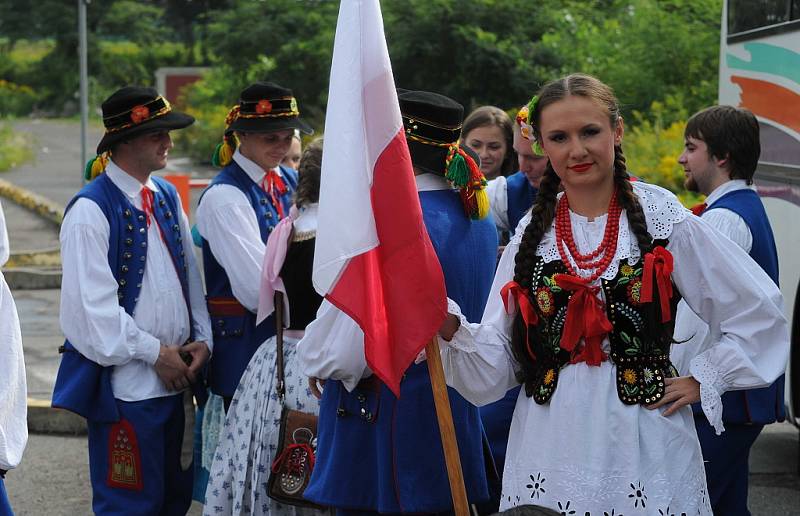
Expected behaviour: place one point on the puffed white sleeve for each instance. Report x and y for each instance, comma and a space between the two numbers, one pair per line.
227, 221
478, 361
90, 315
749, 333
333, 348
197, 298
497, 191
13, 392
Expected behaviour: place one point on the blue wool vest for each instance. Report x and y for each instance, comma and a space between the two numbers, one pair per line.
83, 386
236, 336
389, 449
760, 406
520, 198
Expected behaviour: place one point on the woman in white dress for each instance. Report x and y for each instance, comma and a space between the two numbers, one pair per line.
249, 438
581, 313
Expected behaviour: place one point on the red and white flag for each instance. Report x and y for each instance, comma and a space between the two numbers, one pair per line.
373, 257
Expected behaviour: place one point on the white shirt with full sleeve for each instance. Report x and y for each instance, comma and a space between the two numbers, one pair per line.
5, 250
228, 222
91, 317
585, 448
497, 190
13, 391
691, 333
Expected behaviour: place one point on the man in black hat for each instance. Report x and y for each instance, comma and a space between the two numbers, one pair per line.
133, 312
236, 215
377, 452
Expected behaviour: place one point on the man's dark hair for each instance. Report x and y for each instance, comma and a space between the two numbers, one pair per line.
730, 133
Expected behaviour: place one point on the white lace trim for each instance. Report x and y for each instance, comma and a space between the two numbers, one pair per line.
661, 209
463, 339
711, 388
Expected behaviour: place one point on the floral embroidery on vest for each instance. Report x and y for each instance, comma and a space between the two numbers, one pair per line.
642, 362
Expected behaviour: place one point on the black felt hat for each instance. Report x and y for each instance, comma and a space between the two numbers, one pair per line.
133, 111
266, 107
432, 123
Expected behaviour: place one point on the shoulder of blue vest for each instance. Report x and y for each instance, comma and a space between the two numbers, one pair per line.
92, 190
290, 174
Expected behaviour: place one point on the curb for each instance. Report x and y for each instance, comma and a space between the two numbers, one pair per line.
42, 206
27, 278
44, 419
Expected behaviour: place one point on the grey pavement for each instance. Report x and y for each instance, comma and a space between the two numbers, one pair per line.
53, 478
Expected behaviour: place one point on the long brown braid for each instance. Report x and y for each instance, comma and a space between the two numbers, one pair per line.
543, 213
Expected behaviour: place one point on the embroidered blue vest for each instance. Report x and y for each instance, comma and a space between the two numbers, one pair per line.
390, 448
765, 405
83, 386
520, 198
236, 336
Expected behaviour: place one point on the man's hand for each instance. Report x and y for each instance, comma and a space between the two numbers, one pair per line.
199, 352
316, 385
683, 391
171, 368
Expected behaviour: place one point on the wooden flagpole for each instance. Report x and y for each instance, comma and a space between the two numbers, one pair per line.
446, 429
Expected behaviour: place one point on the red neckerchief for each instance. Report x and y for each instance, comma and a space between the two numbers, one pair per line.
698, 209
585, 318
273, 185
147, 203
658, 263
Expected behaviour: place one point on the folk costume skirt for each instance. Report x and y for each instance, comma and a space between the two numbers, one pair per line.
587, 453
247, 443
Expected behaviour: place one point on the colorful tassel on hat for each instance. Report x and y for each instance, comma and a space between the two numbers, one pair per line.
95, 166
223, 153
463, 173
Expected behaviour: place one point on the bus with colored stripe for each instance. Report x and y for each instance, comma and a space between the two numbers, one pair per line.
760, 71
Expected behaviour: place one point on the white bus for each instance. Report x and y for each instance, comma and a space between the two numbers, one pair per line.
760, 70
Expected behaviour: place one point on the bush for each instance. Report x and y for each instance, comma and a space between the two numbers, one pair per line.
652, 150
15, 99
15, 149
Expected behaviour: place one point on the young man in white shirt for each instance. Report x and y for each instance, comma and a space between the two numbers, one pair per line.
236, 214
721, 153
133, 312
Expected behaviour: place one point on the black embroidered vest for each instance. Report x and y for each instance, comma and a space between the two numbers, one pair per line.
642, 360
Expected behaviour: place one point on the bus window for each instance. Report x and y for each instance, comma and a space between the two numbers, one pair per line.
747, 15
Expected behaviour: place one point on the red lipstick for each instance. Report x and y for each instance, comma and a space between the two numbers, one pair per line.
581, 167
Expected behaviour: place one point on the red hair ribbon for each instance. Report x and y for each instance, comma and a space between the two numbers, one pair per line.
658, 262
585, 318
513, 290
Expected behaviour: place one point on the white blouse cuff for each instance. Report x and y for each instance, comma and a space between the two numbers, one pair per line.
712, 386
464, 337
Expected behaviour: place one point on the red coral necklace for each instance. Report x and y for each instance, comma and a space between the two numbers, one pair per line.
599, 259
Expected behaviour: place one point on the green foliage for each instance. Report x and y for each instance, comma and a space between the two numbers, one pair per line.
652, 149
15, 99
647, 50
15, 149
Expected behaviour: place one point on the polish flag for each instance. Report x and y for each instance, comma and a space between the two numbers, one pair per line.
373, 257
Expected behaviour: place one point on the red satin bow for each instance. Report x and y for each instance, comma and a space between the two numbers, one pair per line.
585, 318
514, 290
658, 262
274, 186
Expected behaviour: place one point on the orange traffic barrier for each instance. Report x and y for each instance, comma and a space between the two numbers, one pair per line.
183, 183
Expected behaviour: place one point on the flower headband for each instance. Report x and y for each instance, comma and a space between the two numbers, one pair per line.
526, 125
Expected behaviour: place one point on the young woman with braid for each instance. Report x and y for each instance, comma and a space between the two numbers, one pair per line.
581, 314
